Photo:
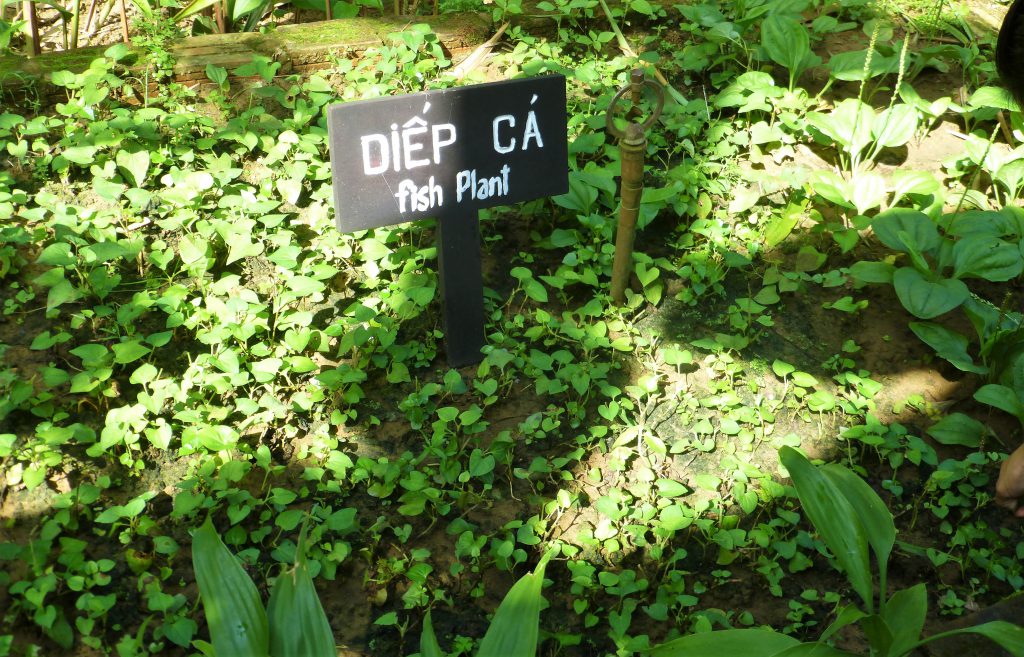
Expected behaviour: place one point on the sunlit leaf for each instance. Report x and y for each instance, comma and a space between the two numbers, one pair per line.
515, 628
830, 512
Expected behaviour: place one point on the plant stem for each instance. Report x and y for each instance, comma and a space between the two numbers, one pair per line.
76, 14
124, 23
33, 26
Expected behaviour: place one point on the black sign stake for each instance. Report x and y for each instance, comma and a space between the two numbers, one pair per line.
462, 286
448, 153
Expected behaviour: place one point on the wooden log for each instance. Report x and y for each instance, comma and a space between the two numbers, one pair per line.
300, 48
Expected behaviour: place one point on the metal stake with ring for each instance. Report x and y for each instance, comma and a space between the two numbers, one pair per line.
632, 144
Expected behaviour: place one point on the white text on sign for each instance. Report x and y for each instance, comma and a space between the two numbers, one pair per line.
418, 143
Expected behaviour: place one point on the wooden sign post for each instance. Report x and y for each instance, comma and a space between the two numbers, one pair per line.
447, 154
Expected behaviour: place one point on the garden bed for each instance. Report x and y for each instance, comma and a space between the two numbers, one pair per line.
187, 335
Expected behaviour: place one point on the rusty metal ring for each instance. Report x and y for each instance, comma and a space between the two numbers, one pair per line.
659, 93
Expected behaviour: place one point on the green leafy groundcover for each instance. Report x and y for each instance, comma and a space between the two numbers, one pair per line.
208, 394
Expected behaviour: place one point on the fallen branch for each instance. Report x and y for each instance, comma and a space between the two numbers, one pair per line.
478, 55
628, 51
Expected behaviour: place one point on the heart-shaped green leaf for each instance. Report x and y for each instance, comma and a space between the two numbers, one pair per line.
926, 298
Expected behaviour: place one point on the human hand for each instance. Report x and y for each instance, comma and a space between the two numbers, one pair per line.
1010, 486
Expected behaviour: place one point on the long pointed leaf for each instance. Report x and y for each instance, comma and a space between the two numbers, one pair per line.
515, 628
849, 615
1007, 635
754, 642
144, 8
878, 525
429, 646
234, 611
193, 8
835, 520
879, 634
243, 7
813, 649
298, 624
905, 614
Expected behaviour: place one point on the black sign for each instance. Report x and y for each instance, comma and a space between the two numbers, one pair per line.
449, 151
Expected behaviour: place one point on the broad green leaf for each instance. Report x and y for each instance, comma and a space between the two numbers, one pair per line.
813, 649
515, 628
949, 344
917, 258
580, 197
57, 254
531, 286
985, 317
1011, 176
988, 258
289, 188
804, 380
240, 247
216, 74
913, 182
234, 611
753, 642
788, 44
744, 198
243, 7
191, 249
996, 97
889, 224
869, 191
305, 286
1003, 350
821, 401
129, 352
779, 228
671, 488
214, 438
895, 126
830, 512
117, 52
905, 614
298, 624
93, 355
673, 518
873, 272
832, 187
136, 165
782, 368
849, 124
927, 298
1004, 223
82, 155
958, 429
61, 293
102, 252
1001, 397
849, 66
